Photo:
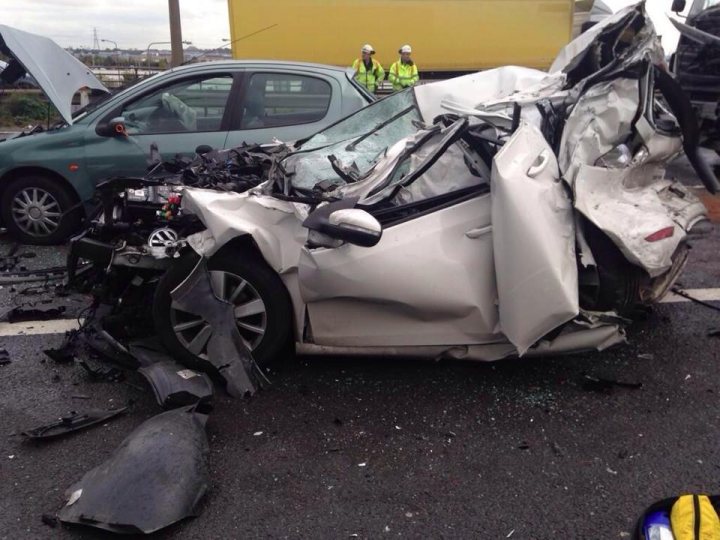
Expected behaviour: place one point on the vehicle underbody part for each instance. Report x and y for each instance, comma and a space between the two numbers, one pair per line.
227, 354
156, 477
175, 385
75, 421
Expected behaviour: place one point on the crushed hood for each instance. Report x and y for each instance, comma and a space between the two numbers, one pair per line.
57, 72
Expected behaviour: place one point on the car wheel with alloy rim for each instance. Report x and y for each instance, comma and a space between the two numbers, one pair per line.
39, 210
263, 311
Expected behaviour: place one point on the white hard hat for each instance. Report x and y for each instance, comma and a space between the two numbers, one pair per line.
405, 49
367, 48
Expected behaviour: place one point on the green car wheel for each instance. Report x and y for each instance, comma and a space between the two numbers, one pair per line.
39, 210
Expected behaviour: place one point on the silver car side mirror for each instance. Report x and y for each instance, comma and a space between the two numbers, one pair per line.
350, 225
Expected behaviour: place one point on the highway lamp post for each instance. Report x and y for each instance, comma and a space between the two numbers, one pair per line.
147, 52
117, 58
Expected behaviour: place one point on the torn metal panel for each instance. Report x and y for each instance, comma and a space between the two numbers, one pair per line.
533, 239
58, 73
72, 422
580, 45
600, 121
175, 385
575, 339
474, 89
601, 196
274, 228
156, 477
227, 355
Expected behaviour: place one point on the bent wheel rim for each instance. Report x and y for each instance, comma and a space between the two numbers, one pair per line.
194, 332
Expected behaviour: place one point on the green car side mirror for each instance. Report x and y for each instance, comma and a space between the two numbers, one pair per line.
114, 128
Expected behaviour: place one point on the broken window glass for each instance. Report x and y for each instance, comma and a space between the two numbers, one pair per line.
362, 139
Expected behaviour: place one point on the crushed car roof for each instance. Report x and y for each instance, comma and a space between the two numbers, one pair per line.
58, 73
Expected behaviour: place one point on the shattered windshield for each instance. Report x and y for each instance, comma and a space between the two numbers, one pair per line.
357, 141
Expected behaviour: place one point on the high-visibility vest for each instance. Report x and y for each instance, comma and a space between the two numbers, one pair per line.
403, 75
369, 79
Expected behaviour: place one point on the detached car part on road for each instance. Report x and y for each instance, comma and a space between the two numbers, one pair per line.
507, 212
156, 477
48, 176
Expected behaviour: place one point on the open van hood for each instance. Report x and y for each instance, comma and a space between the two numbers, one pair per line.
57, 72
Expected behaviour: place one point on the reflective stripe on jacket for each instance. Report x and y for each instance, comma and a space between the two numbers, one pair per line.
403, 75
369, 79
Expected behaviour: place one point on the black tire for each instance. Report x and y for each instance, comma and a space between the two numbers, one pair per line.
56, 200
619, 280
277, 339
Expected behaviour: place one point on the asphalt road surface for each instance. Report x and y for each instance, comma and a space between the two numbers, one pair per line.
341, 448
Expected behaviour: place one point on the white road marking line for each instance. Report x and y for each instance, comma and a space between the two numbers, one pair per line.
706, 295
33, 328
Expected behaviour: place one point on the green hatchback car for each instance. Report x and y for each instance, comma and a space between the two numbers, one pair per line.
48, 177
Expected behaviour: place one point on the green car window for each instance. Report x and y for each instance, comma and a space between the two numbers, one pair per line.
284, 99
195, 105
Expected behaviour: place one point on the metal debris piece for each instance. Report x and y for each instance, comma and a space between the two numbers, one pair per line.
72, 422
63, 355
227, 354
4, 358
104, 373
597, 384
156, 477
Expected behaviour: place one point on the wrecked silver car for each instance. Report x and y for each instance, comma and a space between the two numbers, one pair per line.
508, 212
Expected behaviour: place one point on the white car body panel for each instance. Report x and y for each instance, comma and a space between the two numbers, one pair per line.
534, 240
474, 89
426, 282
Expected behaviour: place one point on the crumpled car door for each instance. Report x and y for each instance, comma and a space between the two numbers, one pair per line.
533, 240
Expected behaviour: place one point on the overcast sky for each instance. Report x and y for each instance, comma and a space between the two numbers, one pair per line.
136, 23
130, 23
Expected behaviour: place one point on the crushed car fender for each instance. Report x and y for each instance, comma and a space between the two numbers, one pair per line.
156, 477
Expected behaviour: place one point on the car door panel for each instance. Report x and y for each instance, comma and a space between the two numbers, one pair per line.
534, 240
429, 281
175, 116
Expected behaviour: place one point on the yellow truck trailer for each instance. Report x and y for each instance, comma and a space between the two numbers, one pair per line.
447, 36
